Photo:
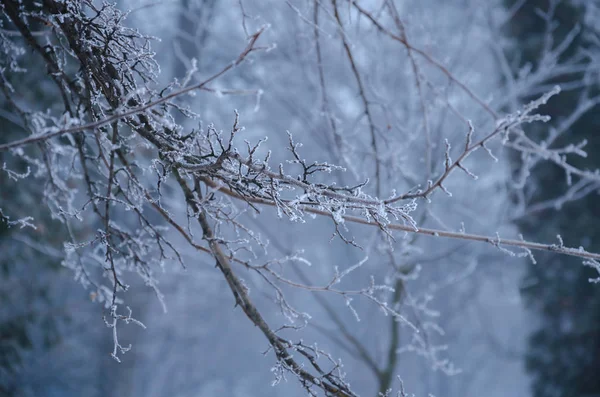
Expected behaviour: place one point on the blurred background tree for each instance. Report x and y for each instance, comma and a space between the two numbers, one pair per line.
564, 351
31, 312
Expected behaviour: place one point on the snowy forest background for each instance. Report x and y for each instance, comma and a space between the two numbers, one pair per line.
390, 91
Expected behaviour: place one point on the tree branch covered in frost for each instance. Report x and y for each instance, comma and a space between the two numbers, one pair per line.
122, 174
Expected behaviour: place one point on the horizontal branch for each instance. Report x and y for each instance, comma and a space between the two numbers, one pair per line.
495, 241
